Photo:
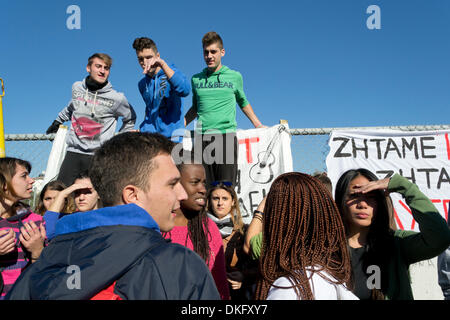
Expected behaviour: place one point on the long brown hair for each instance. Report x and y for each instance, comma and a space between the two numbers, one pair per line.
8, 168
235, 214
302, 230
379, 247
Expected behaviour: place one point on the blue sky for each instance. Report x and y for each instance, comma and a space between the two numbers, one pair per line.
314, 63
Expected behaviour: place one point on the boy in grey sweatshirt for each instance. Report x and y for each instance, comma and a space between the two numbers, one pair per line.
93, 111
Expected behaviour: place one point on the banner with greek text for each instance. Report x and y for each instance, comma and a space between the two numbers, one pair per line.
422, 157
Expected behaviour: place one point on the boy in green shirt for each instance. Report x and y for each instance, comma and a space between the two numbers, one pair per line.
215, 92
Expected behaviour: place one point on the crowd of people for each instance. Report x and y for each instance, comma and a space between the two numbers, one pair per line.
126, 219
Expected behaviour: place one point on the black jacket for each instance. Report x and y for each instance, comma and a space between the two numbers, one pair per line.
143, 264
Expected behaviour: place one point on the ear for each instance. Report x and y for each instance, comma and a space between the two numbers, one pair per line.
222, 52
88, 69
130, 194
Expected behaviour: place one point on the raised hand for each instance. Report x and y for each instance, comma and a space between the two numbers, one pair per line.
371, 186
59, 202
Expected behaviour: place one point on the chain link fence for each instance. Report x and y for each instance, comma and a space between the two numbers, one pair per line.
309, 147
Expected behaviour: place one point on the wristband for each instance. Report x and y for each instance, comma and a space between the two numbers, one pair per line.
257, 211
259, 126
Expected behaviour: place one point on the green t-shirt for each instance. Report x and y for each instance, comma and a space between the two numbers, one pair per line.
215, 96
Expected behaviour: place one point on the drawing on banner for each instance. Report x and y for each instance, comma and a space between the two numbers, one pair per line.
263, 154
262, 171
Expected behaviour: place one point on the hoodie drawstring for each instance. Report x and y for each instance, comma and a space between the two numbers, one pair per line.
86, 97
93, 105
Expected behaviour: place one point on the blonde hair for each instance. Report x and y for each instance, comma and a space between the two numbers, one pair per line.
102, 56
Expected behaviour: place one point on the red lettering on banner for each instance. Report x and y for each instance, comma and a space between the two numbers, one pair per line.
399, 223
445, 203
409, 210
248, 148
448, 146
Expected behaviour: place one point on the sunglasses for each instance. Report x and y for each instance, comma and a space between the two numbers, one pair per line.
225, 183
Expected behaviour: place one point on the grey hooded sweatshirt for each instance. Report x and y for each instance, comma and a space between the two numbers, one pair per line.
94, 117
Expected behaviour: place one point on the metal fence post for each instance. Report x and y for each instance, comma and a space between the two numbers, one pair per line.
2, 131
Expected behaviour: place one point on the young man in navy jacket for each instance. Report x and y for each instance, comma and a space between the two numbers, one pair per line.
118, 252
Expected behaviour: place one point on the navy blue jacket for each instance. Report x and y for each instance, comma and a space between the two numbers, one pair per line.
121, 244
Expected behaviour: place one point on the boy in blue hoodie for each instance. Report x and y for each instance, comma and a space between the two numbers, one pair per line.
162, 88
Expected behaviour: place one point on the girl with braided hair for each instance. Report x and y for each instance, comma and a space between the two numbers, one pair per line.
366, 210
304, 252
194, 230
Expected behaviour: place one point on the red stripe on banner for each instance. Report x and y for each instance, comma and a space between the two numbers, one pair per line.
248, 148
448, 146
409, 210
399, 223
446, 202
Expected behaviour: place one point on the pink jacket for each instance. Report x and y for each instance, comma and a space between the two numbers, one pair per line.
217, 259
12, 264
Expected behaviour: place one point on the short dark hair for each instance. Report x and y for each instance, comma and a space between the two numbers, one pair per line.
125, 159
142, 43
212, 37
82, 175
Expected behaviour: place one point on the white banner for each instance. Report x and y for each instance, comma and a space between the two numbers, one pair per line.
55, 159
263, 155
422, 157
